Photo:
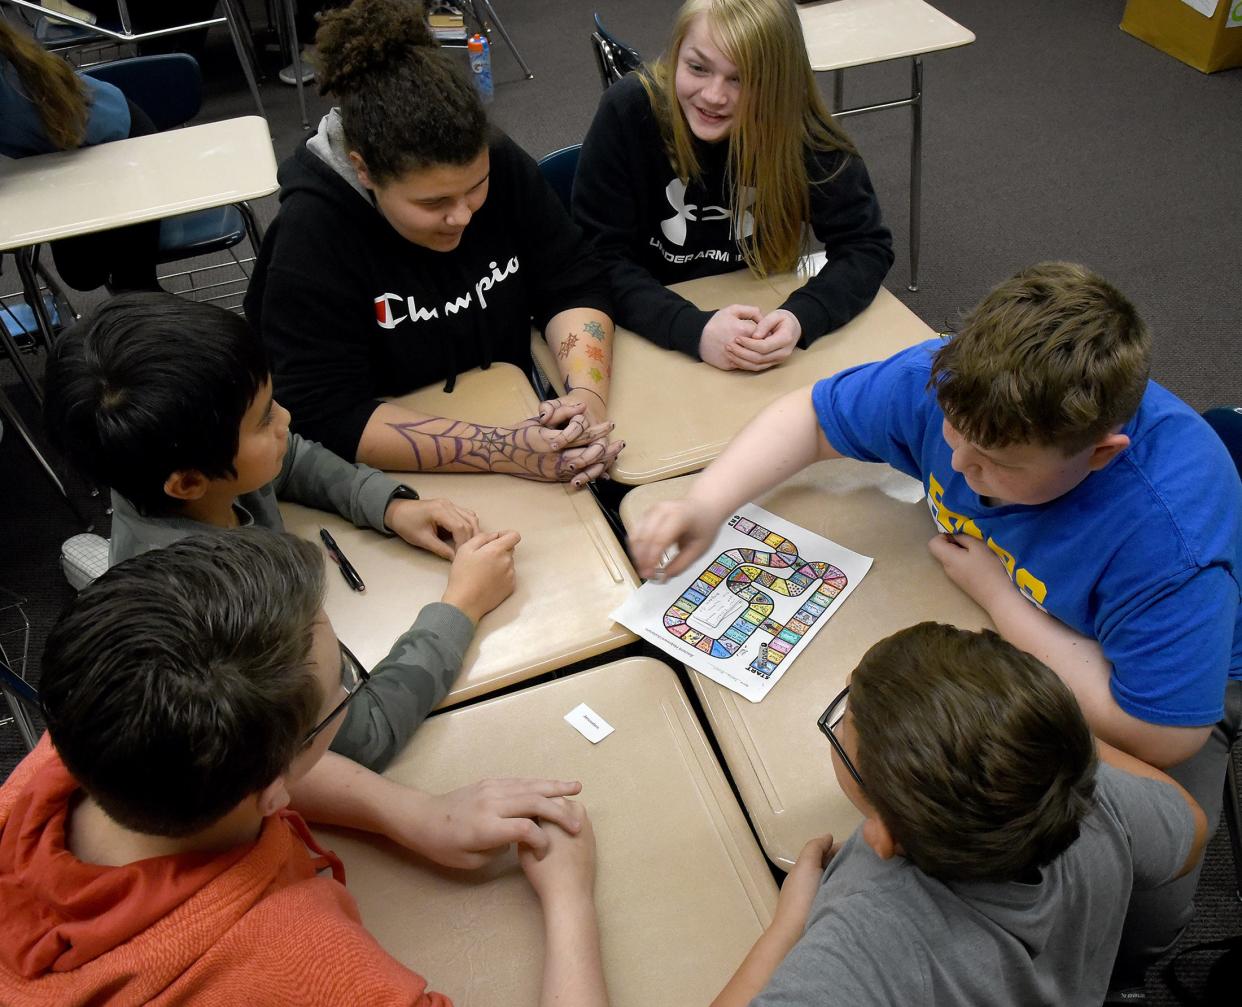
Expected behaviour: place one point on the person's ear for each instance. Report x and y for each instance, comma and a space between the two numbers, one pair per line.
360, 169
1106, 449
273, 797
186, 484
877, 836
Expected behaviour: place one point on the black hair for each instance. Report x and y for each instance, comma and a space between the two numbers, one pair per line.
150, 384
179, 682
404, 104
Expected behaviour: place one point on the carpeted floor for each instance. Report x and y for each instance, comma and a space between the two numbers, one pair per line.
1054, 136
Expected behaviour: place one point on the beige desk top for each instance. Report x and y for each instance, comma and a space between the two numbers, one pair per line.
571, 571
845, 33
73, 192
775, 752
682, 888
676, 414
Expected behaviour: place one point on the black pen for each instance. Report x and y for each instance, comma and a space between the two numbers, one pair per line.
343, 564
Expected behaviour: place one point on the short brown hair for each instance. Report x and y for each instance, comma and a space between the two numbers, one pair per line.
1055, 355
180, 682
973, 753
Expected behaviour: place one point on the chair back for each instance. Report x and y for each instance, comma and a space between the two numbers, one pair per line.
168, 87
22, 700
558, 170
613, 58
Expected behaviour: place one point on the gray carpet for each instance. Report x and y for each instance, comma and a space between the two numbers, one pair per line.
1054, 136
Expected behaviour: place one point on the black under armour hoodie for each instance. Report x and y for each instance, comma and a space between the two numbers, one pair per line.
652, 229
350, 311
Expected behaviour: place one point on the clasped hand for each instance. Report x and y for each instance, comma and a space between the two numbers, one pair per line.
741, 337
566, 445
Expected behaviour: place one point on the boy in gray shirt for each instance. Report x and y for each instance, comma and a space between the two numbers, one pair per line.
997, 855
169, 402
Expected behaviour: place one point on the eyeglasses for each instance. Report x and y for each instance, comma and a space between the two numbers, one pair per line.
828, 722
354, 678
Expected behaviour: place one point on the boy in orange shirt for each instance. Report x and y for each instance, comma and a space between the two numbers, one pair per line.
149, 852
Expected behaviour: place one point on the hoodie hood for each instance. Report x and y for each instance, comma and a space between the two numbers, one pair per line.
131, 930
330, 146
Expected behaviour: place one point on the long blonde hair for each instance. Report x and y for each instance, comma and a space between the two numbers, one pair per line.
780, 115
57, 93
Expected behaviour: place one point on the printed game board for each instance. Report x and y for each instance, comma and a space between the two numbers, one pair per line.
743, 612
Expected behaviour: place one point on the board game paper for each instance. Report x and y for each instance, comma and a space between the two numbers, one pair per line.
742, 613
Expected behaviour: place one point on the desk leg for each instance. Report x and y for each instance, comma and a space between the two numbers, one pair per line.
916, 166
838, 90
290, 35
245, 53
34, 299
494, 20
13, 419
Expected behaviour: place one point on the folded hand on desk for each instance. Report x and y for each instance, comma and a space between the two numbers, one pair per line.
741, 337
578, 445
439, 526
469, 826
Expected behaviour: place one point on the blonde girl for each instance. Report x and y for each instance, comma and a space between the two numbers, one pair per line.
719, 156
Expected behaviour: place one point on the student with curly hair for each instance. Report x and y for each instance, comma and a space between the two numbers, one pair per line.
414, 243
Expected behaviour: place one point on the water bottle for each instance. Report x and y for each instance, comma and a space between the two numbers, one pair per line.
481, 66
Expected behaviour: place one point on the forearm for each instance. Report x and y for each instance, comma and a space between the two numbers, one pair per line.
781, 441
1081, 664
399, 439
405, 687
573, 972
338, 791
756, 970
582, 340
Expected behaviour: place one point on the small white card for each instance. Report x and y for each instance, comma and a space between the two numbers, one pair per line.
588, 723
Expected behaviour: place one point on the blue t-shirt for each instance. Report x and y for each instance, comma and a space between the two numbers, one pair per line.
1142, 555
21, 129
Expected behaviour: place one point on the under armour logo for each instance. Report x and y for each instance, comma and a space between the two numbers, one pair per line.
674, 227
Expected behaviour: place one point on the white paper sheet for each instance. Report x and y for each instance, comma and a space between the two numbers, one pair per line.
1205, 7
751, 604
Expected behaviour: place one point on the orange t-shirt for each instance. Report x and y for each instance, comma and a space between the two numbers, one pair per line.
254, 925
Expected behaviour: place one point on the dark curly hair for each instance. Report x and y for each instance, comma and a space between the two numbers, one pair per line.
404, 104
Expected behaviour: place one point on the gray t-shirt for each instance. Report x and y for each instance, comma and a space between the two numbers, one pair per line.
883, 932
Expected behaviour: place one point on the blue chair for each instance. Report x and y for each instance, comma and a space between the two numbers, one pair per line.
558, 170
22, 699
168, 88
613, 58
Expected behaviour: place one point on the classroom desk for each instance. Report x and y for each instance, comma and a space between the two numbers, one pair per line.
74, 192
775, 752
675, 413
681, 887
571, 571
845, 33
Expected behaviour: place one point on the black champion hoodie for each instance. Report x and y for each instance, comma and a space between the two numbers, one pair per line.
351, 311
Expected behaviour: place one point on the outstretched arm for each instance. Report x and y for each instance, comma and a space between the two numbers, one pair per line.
464, 828
782, 440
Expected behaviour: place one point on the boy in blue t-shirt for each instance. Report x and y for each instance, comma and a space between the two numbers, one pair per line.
1114, 511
